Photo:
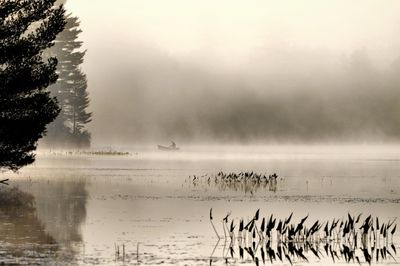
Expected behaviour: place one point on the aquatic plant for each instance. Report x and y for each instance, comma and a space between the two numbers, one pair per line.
248, 182
350, 238
121, 254
105, 152
89, 152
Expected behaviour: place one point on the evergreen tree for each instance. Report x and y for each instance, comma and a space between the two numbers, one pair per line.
70, 89
27, 28
75, 111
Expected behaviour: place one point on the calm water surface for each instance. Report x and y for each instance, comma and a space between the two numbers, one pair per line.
86, 208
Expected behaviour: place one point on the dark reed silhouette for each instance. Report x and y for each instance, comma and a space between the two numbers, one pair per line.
350, 239
27, 27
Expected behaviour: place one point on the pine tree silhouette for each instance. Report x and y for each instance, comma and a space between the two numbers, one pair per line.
27, 28
70, 90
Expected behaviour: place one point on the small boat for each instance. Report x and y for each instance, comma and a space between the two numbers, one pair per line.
168, 148
171, 147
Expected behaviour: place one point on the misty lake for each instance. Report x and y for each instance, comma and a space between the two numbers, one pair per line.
145, 209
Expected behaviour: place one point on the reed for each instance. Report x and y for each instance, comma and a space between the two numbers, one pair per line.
351, 238
248, 182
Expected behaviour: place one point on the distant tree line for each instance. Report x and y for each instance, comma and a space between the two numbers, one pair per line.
352, 100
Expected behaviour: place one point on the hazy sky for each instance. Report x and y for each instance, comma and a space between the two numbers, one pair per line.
227, 28
140, 50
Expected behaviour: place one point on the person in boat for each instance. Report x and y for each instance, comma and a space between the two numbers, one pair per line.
173, 145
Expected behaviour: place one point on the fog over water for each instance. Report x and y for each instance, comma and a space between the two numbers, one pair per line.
224, 133
241, 71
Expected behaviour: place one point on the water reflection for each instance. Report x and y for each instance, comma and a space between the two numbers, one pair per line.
23, 236
44, 224
291, 252
62, 207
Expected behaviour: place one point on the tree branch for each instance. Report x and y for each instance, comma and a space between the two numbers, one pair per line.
4, 181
